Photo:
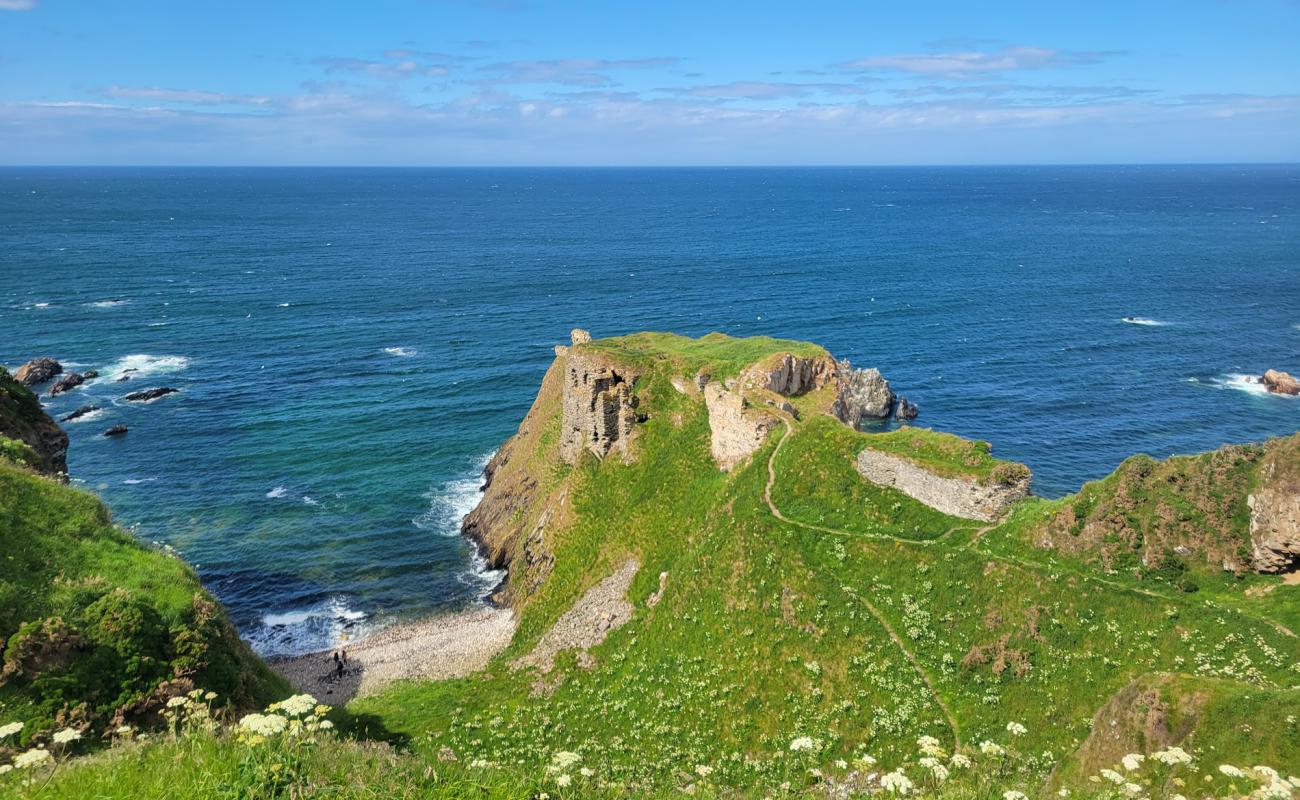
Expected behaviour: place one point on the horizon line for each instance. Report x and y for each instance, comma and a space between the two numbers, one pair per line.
918, 165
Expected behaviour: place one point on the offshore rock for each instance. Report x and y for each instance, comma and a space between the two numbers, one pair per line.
1279, 382
149, 395
116, 430
79, 413
38, 371
736, 430
68, 382
863, 394
905, 411
598, 408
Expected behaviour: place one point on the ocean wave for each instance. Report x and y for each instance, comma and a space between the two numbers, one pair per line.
40, 305
106, 303
1242, 383
137, 481
1144, 321
309, 500
277, 492
87, 417
400, 352
308, 628
449, 503
138, 365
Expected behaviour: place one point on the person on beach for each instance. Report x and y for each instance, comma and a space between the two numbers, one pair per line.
338, 665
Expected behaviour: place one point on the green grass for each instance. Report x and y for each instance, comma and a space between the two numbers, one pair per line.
92, 623
769, 631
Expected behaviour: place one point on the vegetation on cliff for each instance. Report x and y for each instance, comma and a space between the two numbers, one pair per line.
795, 629
97, 631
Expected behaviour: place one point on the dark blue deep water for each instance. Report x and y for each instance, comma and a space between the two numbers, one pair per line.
351, 345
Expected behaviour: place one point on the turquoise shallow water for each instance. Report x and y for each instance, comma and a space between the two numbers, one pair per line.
351, 345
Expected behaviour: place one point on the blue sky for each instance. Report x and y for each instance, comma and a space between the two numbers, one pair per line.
532, 82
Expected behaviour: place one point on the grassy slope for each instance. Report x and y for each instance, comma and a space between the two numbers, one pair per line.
771, 630
122, 619
764, 634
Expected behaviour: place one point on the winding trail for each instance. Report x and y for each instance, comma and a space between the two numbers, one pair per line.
875, 612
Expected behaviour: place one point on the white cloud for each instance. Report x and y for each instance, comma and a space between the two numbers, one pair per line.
571, 71
976, 63
190, 96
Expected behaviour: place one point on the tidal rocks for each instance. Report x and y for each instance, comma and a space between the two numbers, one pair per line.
962, 497
149, 395
1279, 382
90, 374
863, 394
598, 408
38, 371
126, 375
736, 430
79, 413
67, 383
905, 410
579, 336
116, 430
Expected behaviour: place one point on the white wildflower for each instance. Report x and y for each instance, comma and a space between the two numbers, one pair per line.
1269, 774
927, 743
31, 758
841, 764
991, 749
123, 730
703, 770
563, 780
1172, 756
586, 772
298, 705
1293, 780
67, 735
210, 696
10, 729
264, 724
1132, 761
326, 725
1112, 776
960, 761
177, 701
1132, 788
803, 743
1012, 794
564, 759
1231, 771
865, 761
6, 768
896, 783
1016, 729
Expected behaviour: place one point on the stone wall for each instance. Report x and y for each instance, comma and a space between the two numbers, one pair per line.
735, 429
958, 497
598, 408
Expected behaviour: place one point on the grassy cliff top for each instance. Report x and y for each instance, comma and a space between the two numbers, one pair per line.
716, 353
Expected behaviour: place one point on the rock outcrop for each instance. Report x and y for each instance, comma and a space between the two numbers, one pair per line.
791, 375
1279, 382
149, 395
1275, 514
38, 371
79, 413
905, 411
599, 409
68, 382
116, 430
963, 497
863, 394
23, 419
736, 430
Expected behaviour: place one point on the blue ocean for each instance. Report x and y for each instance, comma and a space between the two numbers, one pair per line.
351, 345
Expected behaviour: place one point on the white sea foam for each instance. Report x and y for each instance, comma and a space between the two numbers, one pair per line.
1144, 321
87, 417
400, 352
309, 628
158, 324
137, 481
107, 303
40, 305
450, 502
1243, 383
282, 305
140, 364
309, 500
277, 492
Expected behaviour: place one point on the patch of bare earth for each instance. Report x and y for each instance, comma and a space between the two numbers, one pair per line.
602, 609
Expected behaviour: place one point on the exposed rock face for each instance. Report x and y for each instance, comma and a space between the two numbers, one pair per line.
38, 371
905, 410
1280, 382
864, 394
149, 395
68, 382
736, 430
598, 409
1275, 515
579, 336
23, 419
791, 375
958, 497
